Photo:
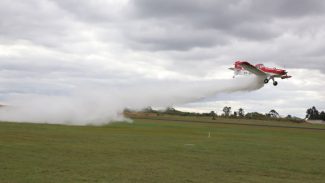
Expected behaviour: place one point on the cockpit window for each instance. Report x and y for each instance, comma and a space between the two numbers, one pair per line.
259, 65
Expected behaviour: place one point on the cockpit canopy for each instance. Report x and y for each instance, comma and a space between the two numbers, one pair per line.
260, 66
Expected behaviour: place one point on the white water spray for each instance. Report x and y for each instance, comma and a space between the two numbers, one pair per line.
101, 105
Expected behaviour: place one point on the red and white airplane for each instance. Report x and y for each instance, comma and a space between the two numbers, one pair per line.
245, 68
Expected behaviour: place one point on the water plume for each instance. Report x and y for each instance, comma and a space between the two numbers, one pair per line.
97, 105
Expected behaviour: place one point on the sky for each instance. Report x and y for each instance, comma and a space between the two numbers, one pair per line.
51, 47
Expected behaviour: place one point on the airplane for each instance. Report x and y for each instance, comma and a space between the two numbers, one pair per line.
245, 68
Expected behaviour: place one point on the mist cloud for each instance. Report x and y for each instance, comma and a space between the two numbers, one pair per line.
101, 105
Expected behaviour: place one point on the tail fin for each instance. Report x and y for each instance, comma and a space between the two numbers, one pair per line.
238, 69
238, 65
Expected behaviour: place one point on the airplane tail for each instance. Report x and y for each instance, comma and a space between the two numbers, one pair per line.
238, 69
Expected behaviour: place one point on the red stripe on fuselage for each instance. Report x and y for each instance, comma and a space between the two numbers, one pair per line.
273, 70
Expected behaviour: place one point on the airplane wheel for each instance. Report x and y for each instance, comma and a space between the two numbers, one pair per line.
275, 83
266, 81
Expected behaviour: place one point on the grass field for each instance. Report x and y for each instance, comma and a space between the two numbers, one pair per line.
150, 150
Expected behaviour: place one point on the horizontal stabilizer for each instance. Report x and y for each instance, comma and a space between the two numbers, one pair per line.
286, 77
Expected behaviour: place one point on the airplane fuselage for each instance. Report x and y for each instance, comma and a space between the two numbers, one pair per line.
244, 68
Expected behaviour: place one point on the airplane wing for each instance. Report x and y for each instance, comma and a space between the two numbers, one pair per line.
249, 67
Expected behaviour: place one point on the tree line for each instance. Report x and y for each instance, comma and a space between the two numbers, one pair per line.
227, 112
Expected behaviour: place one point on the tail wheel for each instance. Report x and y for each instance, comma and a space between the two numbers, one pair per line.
266, 81
275, 83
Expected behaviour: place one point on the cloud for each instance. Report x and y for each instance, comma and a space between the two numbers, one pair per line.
271, 29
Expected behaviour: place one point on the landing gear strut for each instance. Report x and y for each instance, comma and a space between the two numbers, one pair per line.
266, 80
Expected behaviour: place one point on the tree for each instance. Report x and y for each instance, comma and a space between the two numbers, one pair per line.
309, 113
127, 110
273, 114
170, 110
213, 114
289, 116
322, 116
227, 111
255, 115
148, 109
241, 112
312, 113
235, 114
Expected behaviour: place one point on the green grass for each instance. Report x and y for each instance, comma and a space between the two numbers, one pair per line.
159, 151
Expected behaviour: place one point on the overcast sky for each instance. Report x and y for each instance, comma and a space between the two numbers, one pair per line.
49, 46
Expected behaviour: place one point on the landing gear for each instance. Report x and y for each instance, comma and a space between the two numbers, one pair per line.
275, 83
266, 80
